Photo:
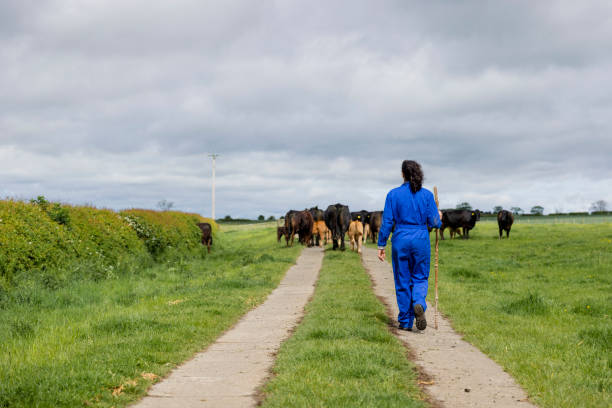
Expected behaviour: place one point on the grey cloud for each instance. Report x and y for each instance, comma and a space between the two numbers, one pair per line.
122, 101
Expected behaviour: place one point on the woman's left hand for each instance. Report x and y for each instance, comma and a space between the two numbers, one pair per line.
381, 254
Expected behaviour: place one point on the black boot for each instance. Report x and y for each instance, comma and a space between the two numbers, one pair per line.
419, 315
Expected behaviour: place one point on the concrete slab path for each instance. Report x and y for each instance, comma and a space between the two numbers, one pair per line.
461, 375
230, 371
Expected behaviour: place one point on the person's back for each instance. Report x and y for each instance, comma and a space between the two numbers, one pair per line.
411, 209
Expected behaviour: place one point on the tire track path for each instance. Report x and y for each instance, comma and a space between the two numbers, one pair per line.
230, 371
460, 374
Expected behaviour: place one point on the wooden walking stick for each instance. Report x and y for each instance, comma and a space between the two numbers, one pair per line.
436, 265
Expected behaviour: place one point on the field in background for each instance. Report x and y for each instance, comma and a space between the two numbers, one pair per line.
248, 226
103, 342
539, 303
553, 219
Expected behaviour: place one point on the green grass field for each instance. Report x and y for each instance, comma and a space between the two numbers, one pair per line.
539, 303
343, 354
88, 343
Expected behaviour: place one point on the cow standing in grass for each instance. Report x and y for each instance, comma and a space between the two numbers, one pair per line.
505, 219
375, 223
464, 219
281, 231
453, 230
355, 233
206, 229
337, 219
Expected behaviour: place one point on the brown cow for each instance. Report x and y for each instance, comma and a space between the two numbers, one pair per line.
206, 229
280, 232
320, 231
301, 223
375, 223
355, 233
290, 232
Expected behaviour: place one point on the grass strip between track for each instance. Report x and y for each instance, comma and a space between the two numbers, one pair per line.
343, 354
103, 343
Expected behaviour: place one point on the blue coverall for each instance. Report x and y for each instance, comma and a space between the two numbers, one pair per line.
411, 213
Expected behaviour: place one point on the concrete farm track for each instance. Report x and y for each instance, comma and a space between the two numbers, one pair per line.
231, 370
459, 375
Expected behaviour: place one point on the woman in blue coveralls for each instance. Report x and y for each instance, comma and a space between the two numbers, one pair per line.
412, 209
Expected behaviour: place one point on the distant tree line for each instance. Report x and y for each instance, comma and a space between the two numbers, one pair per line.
229, 220
598, 207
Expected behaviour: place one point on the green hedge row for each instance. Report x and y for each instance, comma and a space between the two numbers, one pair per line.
44, 236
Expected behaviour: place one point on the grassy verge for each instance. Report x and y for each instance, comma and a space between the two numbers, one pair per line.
539, 304
102, 343
343, 355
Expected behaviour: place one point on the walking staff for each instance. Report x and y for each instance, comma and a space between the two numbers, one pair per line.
436, 263
412, 209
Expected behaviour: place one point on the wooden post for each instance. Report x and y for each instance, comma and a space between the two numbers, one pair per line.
436, 265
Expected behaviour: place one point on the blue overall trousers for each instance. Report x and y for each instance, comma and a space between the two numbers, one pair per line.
411, 213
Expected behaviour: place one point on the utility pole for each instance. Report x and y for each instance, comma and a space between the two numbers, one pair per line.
214, 160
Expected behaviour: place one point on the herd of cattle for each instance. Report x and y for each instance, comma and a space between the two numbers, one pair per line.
317, 227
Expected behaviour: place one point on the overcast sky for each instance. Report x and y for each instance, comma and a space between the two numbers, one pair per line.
119, 103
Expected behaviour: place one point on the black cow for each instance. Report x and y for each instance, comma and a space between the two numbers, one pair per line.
363, 216
317, 215
504, 222
375, 223
206, 229
338, 219
455, 219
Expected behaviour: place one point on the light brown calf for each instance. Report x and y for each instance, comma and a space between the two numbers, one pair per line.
320, 230
356, 235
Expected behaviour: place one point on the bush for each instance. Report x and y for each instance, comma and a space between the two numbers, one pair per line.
47, 237
30, 239
59, 214
102, 234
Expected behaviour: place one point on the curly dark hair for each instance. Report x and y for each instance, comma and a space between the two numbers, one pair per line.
413, 174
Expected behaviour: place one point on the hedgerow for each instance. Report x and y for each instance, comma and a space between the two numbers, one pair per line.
44, 237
